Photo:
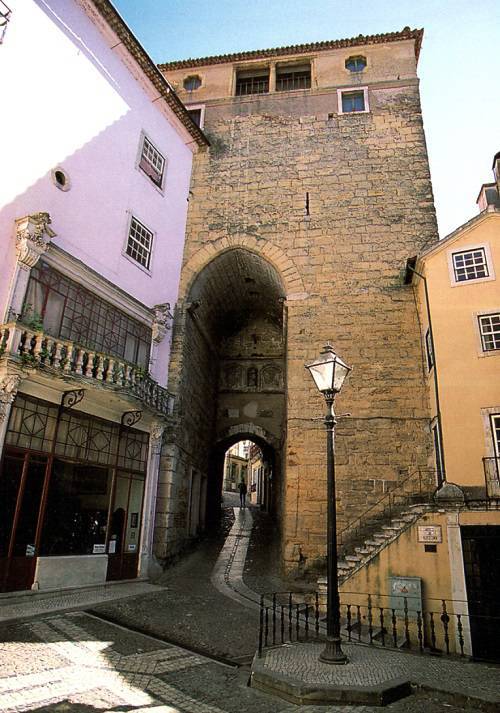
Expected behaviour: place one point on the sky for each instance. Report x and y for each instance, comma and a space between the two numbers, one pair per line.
459, 65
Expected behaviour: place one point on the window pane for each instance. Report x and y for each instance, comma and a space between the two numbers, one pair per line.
30, 506
77, 510
133, 530
10, 478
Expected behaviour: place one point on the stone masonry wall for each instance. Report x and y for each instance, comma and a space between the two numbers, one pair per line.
370, 208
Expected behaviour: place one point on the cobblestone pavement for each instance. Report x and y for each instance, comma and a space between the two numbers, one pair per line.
79, 663
76, 663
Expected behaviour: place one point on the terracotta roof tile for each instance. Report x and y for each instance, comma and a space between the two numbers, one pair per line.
405, 34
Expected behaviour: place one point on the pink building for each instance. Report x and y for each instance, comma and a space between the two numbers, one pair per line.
93, 201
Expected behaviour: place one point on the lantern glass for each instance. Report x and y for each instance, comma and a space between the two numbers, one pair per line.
328, 371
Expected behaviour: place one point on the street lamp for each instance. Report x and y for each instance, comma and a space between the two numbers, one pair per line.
329, 373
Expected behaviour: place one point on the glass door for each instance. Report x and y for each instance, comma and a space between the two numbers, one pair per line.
125, 526
21, 485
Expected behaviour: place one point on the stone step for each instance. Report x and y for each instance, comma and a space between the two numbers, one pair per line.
353, 558
346, 565
398, 523
389, 528
365, 550
373, 543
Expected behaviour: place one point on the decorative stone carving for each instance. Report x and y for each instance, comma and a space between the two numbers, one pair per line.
252, 377
272, 377
33, 236
232, 376
161, 321
8, 390
156, 437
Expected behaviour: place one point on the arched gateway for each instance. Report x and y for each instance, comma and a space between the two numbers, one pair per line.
302, 214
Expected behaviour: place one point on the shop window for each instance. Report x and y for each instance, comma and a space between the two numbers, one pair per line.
65, 309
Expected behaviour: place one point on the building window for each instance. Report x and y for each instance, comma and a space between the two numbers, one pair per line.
290, 77
67, 310
489, 327
470, 265
438, 452
255, 81
355, 64
352, 102
152, 162
139, 243
495, 430
192, 83
429, 350
197, 114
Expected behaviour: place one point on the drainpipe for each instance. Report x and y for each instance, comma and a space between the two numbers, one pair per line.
407, 280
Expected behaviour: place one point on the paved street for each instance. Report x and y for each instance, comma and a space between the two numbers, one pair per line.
75, 661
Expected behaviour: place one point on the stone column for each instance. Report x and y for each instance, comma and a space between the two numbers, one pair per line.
33, 236
9, 385
272, 77
457, 577
155, 443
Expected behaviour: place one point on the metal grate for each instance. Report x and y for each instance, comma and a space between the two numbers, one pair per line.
69, 311
140, 243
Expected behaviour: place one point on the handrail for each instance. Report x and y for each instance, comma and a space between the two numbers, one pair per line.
389, 496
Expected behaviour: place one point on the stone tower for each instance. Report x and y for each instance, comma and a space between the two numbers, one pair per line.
314, 192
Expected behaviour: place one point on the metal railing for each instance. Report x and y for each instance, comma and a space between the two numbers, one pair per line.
492, 476
245, 87
417, 487
36, 349
434, 626
290, 83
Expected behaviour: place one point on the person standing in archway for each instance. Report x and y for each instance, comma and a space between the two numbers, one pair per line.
242, 487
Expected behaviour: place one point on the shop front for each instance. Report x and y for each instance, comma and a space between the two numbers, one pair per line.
71, 496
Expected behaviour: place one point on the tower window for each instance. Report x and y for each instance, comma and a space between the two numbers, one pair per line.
255, 81
355, 64
290, 77
353, 100
192, 83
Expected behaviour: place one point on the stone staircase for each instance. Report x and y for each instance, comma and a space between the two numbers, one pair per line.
378, 535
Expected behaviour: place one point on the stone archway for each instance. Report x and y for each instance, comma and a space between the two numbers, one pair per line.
227, 370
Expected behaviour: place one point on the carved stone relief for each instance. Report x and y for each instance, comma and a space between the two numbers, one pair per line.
161, 321
8, 390
33, 236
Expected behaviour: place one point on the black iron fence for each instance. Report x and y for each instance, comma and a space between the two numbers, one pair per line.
492, 476
436, 626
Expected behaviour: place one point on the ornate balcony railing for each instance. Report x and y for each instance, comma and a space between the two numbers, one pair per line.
36, 349
492, 476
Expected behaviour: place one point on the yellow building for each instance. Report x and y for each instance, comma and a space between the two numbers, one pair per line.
443, 551
460, 321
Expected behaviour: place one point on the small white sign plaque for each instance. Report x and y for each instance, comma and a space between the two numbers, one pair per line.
99, 549
430, 533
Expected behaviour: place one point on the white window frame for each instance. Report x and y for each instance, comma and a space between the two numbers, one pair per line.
465, 249
189, 107
349, 90
134, 216
478, 317
145, 137
495, 442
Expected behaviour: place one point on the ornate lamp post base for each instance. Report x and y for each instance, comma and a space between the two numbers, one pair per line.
332, 653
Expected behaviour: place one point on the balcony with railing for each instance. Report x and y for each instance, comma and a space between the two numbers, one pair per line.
492, 476
38, 350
